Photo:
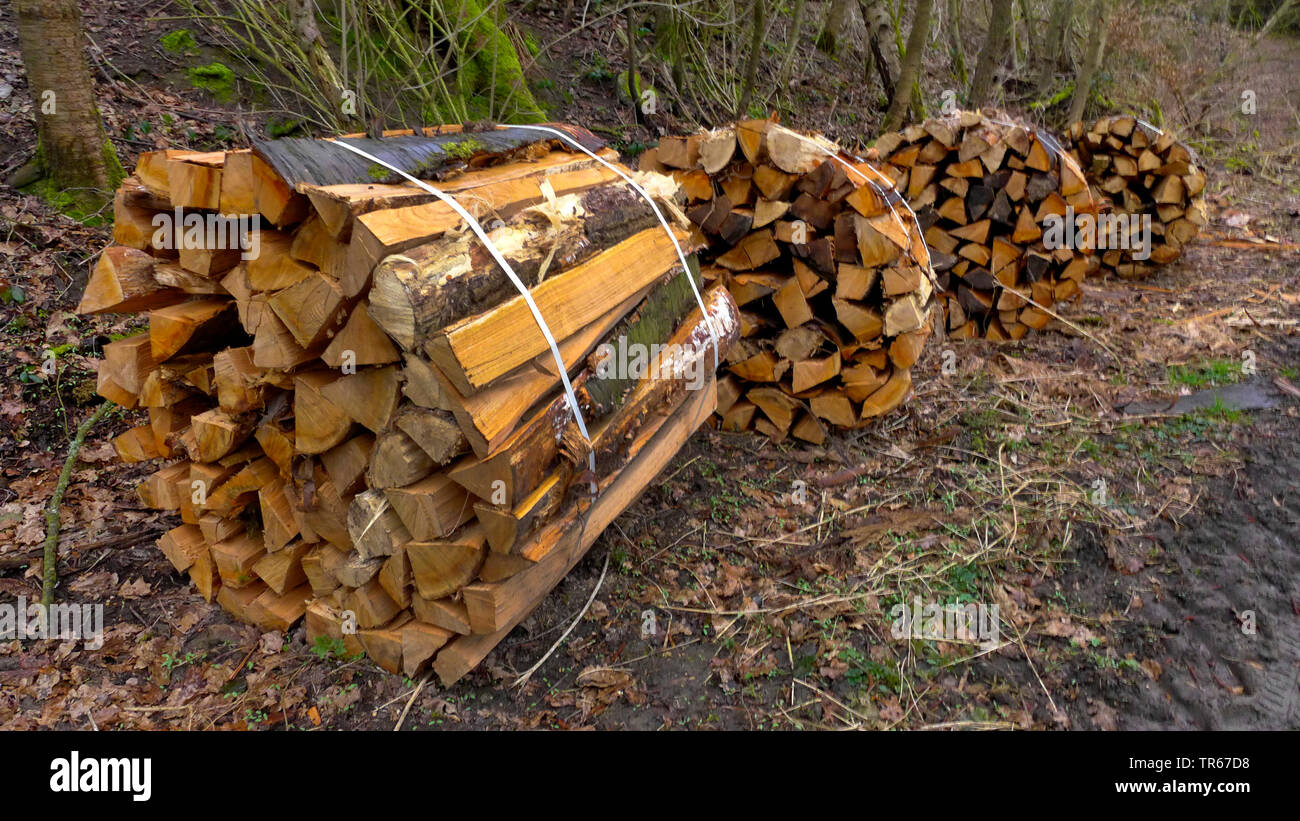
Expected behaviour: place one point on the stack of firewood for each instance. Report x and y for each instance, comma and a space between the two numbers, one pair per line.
986, 190
827, 265
1151, 181
363, 421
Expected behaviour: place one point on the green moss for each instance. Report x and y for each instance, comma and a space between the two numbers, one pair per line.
180, 41
464, 149
376, 172
620, 85
84, 205
116, 173
490, 76
215, 78
1061, 96
282, 126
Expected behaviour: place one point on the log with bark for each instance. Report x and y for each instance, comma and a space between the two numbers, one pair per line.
988, 191
1151, 188
355, 415
827, 264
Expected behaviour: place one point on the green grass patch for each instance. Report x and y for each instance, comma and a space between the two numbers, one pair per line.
1207, 373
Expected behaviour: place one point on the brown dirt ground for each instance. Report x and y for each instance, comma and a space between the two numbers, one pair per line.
1119, 612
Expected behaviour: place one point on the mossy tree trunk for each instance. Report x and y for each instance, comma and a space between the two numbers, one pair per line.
490, 76
836, 22
1058, 22
751, 65
302, 14
75, 154
668, 43
910, 70
956, 46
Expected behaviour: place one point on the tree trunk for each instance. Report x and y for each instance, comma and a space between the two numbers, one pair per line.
751, 66
911, 67
74, 151
1054, 44
836, 20
302, 13
1278, 16
792, 44
992, 54
955, 44
882, 66
1031, 22
1092, 60
668, 41
876, 19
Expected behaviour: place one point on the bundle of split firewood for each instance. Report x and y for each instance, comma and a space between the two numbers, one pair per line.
827, 265
363, 421
988, 191
1153, 186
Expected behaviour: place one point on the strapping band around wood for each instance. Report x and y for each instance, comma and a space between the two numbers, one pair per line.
523, 290
681, 255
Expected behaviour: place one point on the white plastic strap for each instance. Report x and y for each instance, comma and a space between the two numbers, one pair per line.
514, 279
1151, 129
699, 300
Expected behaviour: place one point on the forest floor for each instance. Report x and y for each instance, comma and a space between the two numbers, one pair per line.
1121, 487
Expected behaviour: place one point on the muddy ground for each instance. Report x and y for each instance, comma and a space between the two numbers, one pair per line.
1143, 559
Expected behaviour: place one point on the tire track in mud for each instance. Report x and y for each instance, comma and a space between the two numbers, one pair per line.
1226, 626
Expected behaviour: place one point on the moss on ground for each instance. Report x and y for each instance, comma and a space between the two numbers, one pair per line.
215, 78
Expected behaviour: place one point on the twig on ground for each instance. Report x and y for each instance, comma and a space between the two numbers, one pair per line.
52, 518
523, 679
418, 687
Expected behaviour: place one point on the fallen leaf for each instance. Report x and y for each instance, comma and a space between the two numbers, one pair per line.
271, 643
1103, 716
100, 584
137, 589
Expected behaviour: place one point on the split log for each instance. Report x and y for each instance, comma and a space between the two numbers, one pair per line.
427, 288
473, 352
123, 281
